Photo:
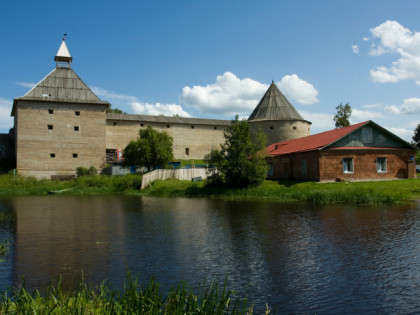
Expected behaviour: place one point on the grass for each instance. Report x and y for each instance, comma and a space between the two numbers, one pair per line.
16, 185
288, 191
5, 247
135, 298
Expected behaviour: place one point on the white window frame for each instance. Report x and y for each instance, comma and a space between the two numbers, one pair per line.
348, 168
381, 167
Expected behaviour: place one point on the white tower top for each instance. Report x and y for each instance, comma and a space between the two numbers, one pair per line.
63, 57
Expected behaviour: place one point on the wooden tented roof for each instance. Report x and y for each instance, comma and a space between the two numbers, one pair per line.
274, 106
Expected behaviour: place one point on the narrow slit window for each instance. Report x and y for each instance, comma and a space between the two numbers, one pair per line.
141, 125
50, 127
114, 123
187, 151
74, 155
51, 111
348, 167
192, 127
168, 126
215, 128
77, 113
271, 127
52, 155
76, 128
294, 127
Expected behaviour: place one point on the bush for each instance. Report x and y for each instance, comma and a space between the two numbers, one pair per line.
83, 171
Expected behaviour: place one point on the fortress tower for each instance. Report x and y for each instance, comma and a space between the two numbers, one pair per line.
59, 124
277, 118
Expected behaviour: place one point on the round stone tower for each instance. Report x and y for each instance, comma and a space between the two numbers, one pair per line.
277, 118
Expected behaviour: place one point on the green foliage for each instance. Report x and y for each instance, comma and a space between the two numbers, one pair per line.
416, 136
83, 171
377, 192
135, 298
151, 150
342, 117
5, 247
114, 110
244, 165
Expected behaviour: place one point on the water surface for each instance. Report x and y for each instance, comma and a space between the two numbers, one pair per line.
296, 258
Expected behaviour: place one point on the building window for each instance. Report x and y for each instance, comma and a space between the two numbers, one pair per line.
271, 127
52, 155
50, 127
76, 128
294, 127
270, 169
303, 167
381, 164
141, 125
74, 155
168, 126
192, 127
77, 113
215, 128
348, 166
187, 151
114, 123
51, 111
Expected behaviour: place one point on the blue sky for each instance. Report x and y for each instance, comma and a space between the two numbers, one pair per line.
215, 59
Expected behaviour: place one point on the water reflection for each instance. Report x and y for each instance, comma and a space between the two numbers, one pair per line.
298, 259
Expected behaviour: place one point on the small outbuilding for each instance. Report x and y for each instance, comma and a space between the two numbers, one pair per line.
364, 151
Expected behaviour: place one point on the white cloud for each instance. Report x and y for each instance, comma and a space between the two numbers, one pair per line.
365, 39
228, 96
157, 109
297, 89
403, 133
363, 115
410, 106
6, 121
396, 39
127, 102
320, 121
28, 85
355, 49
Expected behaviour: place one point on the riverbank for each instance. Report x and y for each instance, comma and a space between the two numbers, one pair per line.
376, 192
135, 298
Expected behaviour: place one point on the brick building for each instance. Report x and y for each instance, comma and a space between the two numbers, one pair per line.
357, 152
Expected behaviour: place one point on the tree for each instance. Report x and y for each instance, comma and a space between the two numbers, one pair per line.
341, 118
244, 163
151, 150
114, 110
416, 137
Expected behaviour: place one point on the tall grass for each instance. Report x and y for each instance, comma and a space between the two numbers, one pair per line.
135, 298
288, 191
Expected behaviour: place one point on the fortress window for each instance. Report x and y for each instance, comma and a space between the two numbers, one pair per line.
52, 155
168, 126
141, 125
294, 127
77, 113
271, 127
215, 128
75, 155
51, 111
192, 127
76, 128
50, 127
187, 151
114, 123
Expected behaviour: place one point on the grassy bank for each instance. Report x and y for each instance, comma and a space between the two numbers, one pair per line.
17, 185
135, 298
397, 191
288, 191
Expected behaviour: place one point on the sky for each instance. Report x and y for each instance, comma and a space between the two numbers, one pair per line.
216, 59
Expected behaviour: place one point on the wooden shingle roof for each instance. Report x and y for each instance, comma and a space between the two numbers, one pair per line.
274, 106
61, 85
168, 119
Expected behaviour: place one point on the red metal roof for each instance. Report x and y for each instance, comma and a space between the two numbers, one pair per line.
314, 142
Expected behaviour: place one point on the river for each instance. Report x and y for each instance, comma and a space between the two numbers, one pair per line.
295, 257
